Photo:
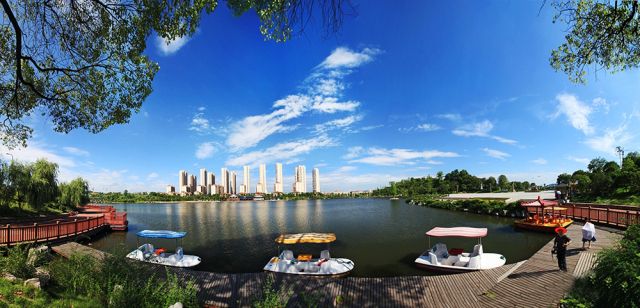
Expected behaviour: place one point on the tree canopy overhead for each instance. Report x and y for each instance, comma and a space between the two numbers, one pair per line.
602, 34
81, 63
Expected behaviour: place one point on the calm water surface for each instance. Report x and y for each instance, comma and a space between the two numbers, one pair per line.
382, 237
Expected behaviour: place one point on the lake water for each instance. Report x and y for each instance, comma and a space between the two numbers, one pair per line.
382, 237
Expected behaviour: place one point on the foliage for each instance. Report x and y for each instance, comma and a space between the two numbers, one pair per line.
115, 282
614, 281
82, 63
15, 294
471, 205
150, 197
454, 181
74, 193
601, 33
15, 262
272, 297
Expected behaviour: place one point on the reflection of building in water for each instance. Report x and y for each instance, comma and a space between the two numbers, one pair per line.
301, 214
278, 186
261, 216
281, 216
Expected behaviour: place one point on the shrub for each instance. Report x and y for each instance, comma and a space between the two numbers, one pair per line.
16, 262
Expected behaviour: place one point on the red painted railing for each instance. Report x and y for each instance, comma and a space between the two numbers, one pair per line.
614, 215
38, 233
116, 220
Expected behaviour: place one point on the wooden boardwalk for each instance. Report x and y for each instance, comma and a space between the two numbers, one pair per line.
535, 282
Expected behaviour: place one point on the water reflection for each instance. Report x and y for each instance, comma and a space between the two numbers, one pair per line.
383, 237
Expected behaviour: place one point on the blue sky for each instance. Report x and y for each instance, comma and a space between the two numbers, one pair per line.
403, 90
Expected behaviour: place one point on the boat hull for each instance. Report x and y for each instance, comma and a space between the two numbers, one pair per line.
547, 228
166, 259
487, 261
335, 267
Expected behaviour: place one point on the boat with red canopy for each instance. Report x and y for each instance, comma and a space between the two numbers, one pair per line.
455, 260
544, 216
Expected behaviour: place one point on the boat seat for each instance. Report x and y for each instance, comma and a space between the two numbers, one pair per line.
287, 255
477, 250
179, 253
433, 259
451, 260
325, 255
148, 248
462, 261
474, 262
440, 250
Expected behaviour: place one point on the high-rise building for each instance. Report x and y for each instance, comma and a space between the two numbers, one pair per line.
182, 181
316, 180
203, 179
278, 187
224, 180
211, 183
300, 181
192, 182
171, 190
233, 187
262, 180
246, 180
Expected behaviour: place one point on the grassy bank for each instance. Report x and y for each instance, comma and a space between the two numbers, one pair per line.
478, 206
82, 281
615, 280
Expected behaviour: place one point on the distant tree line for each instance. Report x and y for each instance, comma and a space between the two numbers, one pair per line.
146, 197
35, 186
456, 181
605, 179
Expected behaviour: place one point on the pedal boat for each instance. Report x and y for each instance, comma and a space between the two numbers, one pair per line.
147, 253
439, 259
544, 216
306, 264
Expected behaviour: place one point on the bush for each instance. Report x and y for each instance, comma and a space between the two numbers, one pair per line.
16, 263
471, 205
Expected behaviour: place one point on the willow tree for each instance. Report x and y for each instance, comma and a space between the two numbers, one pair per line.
602, 35
80, 63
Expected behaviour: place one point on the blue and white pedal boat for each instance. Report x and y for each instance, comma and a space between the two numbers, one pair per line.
148, 253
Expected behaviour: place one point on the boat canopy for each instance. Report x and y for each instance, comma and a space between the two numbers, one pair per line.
539, 202
457, 232
161, 234
302, 238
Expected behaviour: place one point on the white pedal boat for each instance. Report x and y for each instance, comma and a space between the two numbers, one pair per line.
305, 264
439, 259
147, 253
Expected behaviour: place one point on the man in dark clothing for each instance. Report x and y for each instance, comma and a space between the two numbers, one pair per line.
560, 244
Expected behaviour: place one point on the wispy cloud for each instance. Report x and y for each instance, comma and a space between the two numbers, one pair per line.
281, 151
576, 112
454, 117
353, 152
168, 47
481, 129
35, 151
424, 127
205, 150
332, 105
343, 57
608, 141
76, 151
582, 160
495, 153
200, 124
342, 123
392, 157
539, 161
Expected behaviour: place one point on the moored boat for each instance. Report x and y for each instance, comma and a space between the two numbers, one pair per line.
544, 216
455, 260
307, 264
148, 253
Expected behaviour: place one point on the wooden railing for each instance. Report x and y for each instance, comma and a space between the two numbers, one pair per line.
38, 233
614, 215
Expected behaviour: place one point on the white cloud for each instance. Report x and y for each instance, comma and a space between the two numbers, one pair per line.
337, 124
584, 161
76, 151
539, 161
152, 175
200, 124
346, 169
331, 105
454, 117
424, 127
600, 104
343, 57
35, 151
480, 129
202, 108
205, 150
168, 47
495, 153
392, 157
608, 141
577, 112
353, 152
281, 151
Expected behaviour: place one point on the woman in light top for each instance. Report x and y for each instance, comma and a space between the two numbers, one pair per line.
588, 234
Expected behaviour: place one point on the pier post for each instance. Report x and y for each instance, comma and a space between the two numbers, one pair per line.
35, 227
8, 235
58, 223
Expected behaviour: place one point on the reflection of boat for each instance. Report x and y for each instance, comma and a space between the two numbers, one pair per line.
544, 216
394, 198
455, 260
306, 264
147, 253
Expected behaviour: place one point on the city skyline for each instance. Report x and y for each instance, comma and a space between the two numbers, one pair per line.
189, 183
362, 106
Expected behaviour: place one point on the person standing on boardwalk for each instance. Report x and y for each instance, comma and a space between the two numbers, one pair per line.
588, 234
560, 244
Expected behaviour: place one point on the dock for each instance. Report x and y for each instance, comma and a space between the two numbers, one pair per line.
535, 282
